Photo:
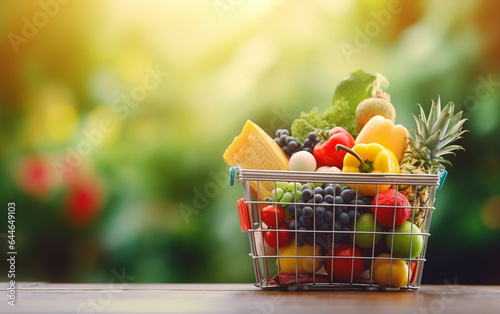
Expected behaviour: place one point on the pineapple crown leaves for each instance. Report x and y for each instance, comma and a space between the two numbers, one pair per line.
435, 133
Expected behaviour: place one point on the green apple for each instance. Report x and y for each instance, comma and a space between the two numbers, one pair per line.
403, 243
365, 223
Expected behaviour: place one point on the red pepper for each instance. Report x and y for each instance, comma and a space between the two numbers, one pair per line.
326, 154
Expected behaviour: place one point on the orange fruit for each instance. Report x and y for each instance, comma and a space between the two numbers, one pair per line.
303, 259
371, 107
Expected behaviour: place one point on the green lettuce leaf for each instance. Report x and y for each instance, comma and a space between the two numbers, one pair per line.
358, 86
349, 93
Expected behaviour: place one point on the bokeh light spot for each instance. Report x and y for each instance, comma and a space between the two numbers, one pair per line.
490, 212
83, 202
33, 176
52, 117
104, 121
60, 121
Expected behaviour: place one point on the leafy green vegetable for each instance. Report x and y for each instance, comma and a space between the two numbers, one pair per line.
337, 115
358, 86
348, 94
306, 123
340, 115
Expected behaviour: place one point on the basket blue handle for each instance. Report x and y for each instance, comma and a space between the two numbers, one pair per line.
232, 173
442, 178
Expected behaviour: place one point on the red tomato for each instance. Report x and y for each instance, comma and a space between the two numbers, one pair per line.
284, 237
343, 268
272, 215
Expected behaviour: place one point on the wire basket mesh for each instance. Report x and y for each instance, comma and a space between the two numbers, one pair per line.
332, 236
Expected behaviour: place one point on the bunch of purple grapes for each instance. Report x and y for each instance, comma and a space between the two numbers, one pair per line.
291, 145
324, 208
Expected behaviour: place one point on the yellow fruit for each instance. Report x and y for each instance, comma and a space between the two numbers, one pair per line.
383, 131
371, 107
306, 265
397, 270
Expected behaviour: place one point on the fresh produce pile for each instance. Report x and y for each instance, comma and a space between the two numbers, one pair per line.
334, 221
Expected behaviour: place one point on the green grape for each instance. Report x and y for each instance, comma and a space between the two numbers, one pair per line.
282, 185
298, 195
292, 186
277, 194
313, 185
287, 197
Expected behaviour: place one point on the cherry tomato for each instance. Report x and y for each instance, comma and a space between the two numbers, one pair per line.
344, 268
284, 237
272, 215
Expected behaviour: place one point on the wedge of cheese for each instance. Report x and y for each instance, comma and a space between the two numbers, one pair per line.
255, 149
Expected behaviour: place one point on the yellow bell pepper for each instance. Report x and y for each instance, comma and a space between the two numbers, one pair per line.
397, 270
383, 131
376, 159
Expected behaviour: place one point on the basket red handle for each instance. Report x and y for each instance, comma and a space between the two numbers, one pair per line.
243, 213
413, 272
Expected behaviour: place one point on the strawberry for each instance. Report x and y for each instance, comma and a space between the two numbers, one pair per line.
388, 204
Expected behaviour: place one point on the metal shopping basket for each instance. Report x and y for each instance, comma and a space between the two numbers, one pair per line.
329, 255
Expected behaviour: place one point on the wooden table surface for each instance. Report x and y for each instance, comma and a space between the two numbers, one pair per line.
243, 298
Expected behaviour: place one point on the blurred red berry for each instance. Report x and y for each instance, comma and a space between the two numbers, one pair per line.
34, 176
83, 202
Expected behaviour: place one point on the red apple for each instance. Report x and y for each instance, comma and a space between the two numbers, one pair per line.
344, 269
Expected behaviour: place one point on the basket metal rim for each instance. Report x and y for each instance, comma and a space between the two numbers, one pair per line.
338, 177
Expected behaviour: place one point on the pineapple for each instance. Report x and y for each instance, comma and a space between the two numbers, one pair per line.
433, 139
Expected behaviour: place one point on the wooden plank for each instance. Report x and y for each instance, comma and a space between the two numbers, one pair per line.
245, 298
128, 286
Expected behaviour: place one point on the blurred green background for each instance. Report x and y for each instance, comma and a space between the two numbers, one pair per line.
114, 116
